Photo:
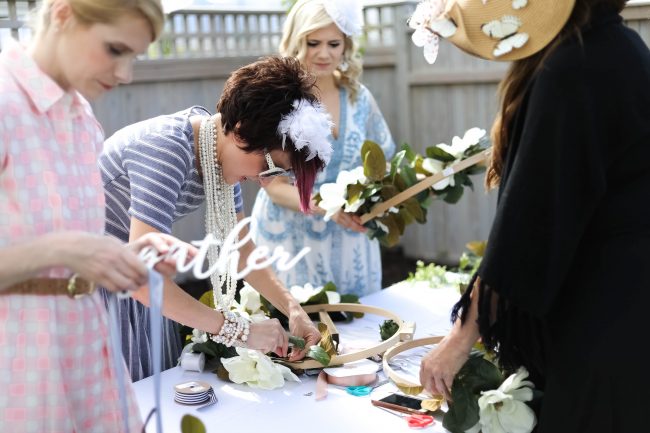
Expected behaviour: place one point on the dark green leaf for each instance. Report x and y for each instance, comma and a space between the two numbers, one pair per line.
297, 341
317, 198
354, 192
453, 194
191, 424
388, 192
409, 154
409, 176
387, 329
318, 298
406, 216
396, 162
439, 154
414, 209
463, 413
330, 287
319, 354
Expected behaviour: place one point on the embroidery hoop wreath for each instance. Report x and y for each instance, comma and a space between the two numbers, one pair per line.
360, 354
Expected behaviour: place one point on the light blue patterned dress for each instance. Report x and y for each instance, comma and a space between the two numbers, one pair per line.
349, 259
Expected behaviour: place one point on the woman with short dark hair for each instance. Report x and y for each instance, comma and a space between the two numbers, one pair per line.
268, 123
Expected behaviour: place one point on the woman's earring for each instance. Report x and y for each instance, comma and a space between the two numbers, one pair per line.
343, 66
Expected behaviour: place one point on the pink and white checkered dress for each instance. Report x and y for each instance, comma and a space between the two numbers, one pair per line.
56, 370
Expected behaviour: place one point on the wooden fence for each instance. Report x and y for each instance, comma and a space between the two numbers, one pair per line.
423, 104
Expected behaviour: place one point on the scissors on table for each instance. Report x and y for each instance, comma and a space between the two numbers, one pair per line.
414, 420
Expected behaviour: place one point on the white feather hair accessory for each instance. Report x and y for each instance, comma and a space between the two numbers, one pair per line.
308, 125
346, 14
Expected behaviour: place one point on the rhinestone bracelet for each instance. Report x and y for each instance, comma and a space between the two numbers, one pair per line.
234, 331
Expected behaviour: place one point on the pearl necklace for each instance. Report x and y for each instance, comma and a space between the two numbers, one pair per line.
220, 217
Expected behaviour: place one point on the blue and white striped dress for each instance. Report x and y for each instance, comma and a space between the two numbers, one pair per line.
149, 171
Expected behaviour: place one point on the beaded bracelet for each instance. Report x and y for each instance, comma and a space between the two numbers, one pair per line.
234, 331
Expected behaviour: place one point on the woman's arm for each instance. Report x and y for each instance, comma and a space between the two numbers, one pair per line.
267, 284
99, 259
441, 364
183, 308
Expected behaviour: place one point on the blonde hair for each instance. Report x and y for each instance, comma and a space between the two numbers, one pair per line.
90, 12
307, 16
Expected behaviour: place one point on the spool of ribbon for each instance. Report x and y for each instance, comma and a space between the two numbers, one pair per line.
358, 373
193, 361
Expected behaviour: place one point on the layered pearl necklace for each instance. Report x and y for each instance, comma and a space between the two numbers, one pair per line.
220, 217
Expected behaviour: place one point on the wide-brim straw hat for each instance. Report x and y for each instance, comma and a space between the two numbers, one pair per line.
484, 27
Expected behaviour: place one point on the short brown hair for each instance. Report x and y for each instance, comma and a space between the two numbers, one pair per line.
255, 99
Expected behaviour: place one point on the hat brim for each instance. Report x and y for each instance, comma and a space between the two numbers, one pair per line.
541, 21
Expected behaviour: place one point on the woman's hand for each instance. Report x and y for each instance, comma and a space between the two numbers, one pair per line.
162, 243
349, 221
441, 364
268, 336
301, 325
103, 260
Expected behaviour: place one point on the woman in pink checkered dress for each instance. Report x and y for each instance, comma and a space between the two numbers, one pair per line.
55, 359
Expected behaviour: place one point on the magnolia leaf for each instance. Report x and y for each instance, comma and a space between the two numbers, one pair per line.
317, 198
399, 182
391, 238
406, 216
409, 154
396, 162
297, 341
330, 287
439, 154
207, 299
409, 390
453, 193
222, 373
409, 176
191, 424
477, 247
414, 209
318, 298
326, 341
370, 190
319, 354
349, 298
374, 161
354, 192
399, 221
388, 192
463, 412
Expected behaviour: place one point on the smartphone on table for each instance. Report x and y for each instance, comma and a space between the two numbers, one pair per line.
400, 403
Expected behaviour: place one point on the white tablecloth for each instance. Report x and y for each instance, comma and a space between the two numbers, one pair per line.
243, 409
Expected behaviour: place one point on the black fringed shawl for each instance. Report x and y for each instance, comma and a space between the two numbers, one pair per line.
576, 176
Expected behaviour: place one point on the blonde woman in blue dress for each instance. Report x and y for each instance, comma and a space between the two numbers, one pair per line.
320, 34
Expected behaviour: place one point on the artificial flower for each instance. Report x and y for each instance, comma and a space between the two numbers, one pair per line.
503, 410
434, 166
257, 370
429, 22
199, 336
303, 293
460, 145
249, 299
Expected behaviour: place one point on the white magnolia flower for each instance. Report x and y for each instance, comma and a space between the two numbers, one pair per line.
504, 410
333, 297
303, 293
257, 370
249, 299
199, 336
434, 166
332, 198
334, 195
429, 22
460, 145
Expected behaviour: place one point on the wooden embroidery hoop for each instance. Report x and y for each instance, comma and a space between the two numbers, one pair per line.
323, 309
403, 384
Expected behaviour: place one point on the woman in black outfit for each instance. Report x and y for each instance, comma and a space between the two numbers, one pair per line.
563, 289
